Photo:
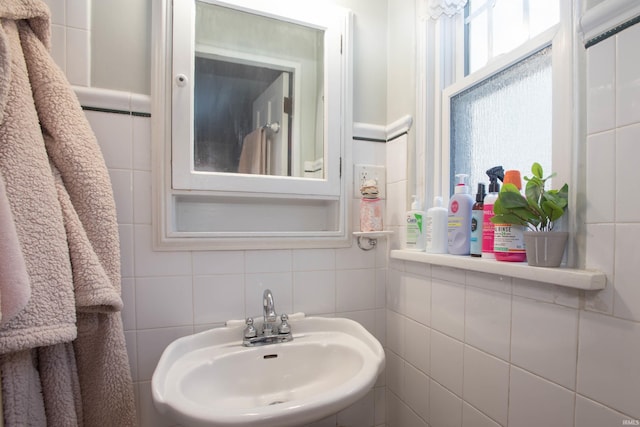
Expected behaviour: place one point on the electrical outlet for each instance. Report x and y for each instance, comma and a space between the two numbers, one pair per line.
361, 173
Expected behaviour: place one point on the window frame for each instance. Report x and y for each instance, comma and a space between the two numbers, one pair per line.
495, 67
441, 60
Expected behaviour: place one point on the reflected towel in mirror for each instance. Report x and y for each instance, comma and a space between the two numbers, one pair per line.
254, 157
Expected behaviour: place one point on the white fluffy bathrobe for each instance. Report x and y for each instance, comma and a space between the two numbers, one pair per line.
62, 352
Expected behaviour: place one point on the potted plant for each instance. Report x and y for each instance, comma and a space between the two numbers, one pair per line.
538, 210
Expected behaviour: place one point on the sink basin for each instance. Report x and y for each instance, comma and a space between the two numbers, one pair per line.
210, 379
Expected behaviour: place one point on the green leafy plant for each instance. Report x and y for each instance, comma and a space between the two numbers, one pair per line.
538, 209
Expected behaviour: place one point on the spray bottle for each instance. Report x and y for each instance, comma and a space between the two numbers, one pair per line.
459, 219
495, 173
477, 214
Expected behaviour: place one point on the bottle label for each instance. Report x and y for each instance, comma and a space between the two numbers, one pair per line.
508, 239
436, 233
476, 232
428, 230
454, 225
414, 228
487, 229
371, 215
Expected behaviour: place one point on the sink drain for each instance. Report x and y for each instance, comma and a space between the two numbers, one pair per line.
277, 402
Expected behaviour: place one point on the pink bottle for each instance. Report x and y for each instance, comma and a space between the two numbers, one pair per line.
495, 173
508, 243
371, 207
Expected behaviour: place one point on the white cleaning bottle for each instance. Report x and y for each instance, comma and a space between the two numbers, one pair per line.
436, 228
459, 220
415, 227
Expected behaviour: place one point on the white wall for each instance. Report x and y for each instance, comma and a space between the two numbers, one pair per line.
71, 38
469, 349
463, 349
121, 46
171, 294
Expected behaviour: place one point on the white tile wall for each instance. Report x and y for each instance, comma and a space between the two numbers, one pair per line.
417, 345
535, 402
447, 309
396, 155
71, 38
417, 390
608, 362
171, 294
486, 384
445, 408
418, 298
626, 167
627, 71
490, 321
601, 90
544, 340
600, 240
505, 352
593, 414
601, 155
471, 417
447, 361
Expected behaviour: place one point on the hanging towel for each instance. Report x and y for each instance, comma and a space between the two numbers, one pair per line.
49, 317
253, 158
88, 208
22, 404
49, 154
15, 289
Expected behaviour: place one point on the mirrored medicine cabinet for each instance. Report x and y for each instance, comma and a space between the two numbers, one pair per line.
251, 124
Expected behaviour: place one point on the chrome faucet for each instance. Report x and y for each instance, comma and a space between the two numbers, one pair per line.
268, 308
271, 333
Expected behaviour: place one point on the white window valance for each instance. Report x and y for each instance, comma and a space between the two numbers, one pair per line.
437, 8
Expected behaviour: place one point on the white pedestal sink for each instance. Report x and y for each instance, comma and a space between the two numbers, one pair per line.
210, 379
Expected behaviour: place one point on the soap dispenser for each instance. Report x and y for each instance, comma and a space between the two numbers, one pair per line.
459, 219
415, 237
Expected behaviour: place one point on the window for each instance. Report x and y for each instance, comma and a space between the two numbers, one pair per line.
495, 27
512, 102
504, 120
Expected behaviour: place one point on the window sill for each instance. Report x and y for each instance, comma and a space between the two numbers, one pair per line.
589, 280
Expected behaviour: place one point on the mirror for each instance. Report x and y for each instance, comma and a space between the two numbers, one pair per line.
226, 71
258, 88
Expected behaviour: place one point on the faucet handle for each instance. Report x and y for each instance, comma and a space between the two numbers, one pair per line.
250, 330
284, 327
